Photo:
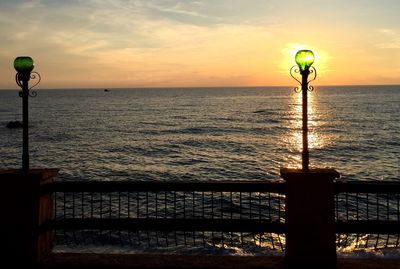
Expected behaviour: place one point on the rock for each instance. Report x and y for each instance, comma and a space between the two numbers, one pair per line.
14, 124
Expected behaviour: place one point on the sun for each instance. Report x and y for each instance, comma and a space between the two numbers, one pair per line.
289, 52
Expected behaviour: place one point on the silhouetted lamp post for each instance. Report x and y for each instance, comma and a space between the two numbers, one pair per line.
310, 196
304, 60
24, 66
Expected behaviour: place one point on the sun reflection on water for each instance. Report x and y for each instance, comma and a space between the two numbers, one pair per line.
316, 139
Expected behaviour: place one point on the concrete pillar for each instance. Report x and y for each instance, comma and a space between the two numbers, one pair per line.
22, 210
310, 218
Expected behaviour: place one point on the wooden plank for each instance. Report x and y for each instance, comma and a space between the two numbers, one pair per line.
153, 261
157, 261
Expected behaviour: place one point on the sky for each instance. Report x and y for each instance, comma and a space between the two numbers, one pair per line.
194, 43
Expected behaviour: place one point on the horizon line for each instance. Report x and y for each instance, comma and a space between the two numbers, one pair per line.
200, 87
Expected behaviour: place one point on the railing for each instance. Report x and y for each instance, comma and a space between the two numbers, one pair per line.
367, 215
289, 217
219, 215
213, 214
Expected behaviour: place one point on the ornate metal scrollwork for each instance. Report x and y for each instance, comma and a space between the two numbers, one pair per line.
313, 72
34, 76
19, 78
296, 70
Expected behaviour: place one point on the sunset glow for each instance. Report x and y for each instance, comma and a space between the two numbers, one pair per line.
199, 43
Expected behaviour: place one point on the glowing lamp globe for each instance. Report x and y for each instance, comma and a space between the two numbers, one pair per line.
304, 59
23, 64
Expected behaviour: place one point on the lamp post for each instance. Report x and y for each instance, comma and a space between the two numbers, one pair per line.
310, 194
24, 66
304, 60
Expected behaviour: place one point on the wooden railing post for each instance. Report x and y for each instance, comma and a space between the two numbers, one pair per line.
23, 209
310, 218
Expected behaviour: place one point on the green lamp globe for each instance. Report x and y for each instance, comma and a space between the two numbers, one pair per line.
23, 64
304, 59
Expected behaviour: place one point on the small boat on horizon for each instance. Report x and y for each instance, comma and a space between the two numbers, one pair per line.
106, 90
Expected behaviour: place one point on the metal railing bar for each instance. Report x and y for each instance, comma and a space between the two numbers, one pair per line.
368, 227
126, 186
225, 225
367, 186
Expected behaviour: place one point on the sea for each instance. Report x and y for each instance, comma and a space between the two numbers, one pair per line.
203, 134
195, 134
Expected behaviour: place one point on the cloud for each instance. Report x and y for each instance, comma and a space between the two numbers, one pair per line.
391, 37
209, 12
85, 38
181, 42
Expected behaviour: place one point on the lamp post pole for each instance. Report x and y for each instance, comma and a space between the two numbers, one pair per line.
24, 66
25, 123
304, 89
304, 60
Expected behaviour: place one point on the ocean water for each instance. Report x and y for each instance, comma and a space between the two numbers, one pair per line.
201, 134
205, 133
